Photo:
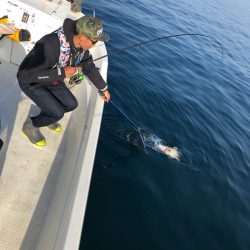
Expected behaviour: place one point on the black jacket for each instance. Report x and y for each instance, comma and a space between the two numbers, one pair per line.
38, 67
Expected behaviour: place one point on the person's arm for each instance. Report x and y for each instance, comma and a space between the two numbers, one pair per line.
39, 66
105, 95
92, 72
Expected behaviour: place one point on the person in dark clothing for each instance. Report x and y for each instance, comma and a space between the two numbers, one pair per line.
57, 56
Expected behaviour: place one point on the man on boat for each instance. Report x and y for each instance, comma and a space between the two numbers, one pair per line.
56, 56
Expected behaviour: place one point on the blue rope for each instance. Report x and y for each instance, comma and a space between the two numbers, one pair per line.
117, 108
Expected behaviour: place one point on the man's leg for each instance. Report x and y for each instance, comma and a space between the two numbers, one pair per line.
51, 111
64, 96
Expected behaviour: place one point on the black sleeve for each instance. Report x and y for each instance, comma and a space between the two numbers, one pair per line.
92, 72
39, 64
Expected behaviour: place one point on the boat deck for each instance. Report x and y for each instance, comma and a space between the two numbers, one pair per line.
29, 172
43, 191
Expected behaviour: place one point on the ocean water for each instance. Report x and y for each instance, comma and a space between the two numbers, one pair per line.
191, 98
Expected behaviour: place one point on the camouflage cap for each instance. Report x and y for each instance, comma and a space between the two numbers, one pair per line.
92, 28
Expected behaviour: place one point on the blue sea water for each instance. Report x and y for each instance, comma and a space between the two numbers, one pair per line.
182, 91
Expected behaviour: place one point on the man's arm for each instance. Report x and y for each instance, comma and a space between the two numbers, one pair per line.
92, 72
106, 95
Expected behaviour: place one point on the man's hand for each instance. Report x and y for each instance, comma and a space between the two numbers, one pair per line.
71, 71
106, 95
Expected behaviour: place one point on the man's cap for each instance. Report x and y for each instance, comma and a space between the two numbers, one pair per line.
92, 28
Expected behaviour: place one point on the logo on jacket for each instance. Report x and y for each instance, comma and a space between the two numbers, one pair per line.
42, 77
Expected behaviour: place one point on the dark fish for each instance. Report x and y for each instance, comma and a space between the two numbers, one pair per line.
136, 139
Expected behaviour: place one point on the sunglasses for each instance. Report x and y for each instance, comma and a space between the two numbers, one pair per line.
93, 42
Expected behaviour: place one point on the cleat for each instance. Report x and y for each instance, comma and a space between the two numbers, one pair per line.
55, 127
33, 133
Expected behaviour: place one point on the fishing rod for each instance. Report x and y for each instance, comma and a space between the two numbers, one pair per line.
157, 39
113, 53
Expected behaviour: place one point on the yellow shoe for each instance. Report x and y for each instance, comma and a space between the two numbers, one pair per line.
55, 127
33, 133
41, 143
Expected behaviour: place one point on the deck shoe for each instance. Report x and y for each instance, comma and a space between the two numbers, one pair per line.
33, 133
55, 127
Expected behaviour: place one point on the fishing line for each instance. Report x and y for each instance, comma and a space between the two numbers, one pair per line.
143, 138
129, 120
136, 128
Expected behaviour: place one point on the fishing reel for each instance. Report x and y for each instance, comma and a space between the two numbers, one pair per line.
76, 79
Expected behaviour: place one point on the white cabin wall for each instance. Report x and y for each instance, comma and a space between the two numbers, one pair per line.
36, 22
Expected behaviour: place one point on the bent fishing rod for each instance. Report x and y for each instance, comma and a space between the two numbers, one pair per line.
116, 52
155, 40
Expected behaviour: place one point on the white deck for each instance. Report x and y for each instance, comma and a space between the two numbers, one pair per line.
43, 192
28, 175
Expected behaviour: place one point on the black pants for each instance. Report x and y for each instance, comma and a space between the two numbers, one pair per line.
53, 100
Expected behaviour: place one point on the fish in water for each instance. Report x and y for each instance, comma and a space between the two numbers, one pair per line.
142, 138
170, 151
136, 139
